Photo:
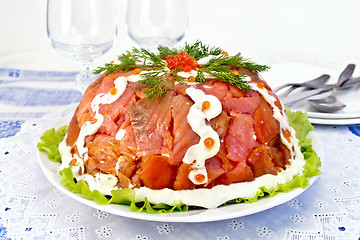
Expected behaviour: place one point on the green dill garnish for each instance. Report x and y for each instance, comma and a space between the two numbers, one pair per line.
137, 58
197, 50
236, 61
157, 80
233, 79
157, 83
200, 78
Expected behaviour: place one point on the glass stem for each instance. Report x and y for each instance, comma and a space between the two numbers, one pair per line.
85, 77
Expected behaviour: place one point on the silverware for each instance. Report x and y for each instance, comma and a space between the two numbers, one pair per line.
291, 99
314, 83
331, 103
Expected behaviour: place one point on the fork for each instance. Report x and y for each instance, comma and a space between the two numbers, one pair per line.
314, 83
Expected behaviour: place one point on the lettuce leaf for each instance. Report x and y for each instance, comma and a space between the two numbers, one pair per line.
298, 120
50, 141
124, 196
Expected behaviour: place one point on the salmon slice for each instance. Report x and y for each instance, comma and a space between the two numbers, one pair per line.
279, 152
182, 181
239, 141
241, 173
112, 112
220, 124
243, 105
265, 126
235, 92
156, 172
150, 120
214, 169
261, 162
216, 88
103, 147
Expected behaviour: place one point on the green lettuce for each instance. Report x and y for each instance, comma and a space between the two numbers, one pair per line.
298, 120
50, 141
124, 196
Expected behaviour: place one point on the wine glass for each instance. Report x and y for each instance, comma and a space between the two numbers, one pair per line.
156, 22
81, 30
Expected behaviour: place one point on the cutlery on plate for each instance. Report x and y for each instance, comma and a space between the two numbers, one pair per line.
314, 83
291, 99
331, 103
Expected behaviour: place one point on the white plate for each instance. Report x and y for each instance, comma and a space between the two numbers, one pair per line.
327, 121
51, 171
295, 72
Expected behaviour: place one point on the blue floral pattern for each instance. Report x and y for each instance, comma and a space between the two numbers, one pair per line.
9, 128
355, 129
3, 232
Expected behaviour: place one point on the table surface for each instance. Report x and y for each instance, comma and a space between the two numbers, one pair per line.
36, 86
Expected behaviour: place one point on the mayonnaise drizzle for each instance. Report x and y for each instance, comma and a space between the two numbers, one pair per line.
198, 153
281, 116
91, 127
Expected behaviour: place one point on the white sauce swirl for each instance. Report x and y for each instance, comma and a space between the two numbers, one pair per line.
91, 127
198, 153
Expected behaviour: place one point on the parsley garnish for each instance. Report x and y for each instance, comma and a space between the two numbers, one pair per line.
156, 81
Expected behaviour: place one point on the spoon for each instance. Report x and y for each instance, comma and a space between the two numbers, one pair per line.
314, 83
331, 103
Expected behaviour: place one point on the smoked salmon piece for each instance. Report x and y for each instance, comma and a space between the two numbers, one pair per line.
156, 172
150, 120
265, 126
240, 141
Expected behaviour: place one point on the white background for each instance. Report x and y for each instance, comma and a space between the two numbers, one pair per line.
320, 32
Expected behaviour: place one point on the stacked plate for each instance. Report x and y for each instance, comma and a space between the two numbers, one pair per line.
297, 73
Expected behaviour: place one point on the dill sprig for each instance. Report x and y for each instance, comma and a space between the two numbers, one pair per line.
237, 80
197, 50
136, 58
157, 80
237, 61
223, 74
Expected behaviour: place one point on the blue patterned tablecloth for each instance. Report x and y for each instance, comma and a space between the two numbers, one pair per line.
32, 208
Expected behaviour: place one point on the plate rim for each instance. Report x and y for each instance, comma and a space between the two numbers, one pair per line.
334, 121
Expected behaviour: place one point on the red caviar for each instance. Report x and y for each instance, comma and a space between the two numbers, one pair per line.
183, 60
93, 121
137, 71
205, 105
73, 162
260, 85
235, 72
200, 178
191, 79
113, 90
287, 134
209, 142
278, 104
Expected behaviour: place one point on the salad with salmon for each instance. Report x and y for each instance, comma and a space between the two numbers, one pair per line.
180, 129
